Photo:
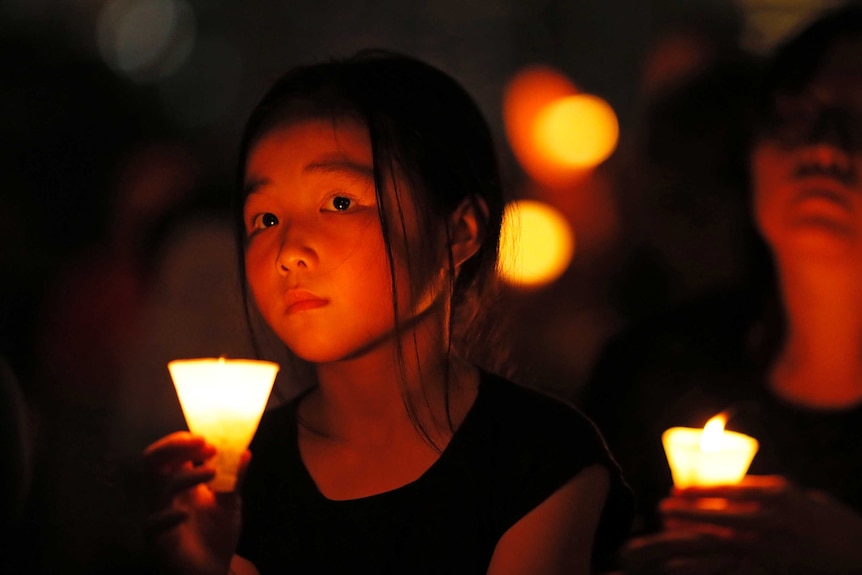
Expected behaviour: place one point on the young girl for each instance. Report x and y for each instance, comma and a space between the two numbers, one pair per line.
371, 211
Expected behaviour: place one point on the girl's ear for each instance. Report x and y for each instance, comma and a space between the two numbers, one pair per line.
467, 228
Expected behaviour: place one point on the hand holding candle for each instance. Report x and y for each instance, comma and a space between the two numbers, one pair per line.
223, 401
708, 457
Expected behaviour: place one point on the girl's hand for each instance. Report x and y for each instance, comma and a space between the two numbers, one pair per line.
764, 525
191, 528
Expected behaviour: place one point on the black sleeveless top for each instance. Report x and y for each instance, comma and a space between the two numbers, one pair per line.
514, 448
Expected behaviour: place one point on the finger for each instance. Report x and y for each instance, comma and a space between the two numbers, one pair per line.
228, 500
175, 449
172, 438
161, 493
659, 549
158, 523
709, 505
185, 480
699, 527
705, 521
759, 487
716, 510
707, 564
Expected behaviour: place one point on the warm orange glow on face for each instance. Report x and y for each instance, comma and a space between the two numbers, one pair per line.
537, 244
578, 131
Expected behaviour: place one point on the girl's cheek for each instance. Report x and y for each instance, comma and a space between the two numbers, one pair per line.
255, 271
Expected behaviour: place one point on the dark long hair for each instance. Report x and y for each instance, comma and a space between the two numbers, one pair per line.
798, 58
423, 124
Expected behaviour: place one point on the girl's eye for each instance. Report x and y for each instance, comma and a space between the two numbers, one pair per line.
340, 203
266, 220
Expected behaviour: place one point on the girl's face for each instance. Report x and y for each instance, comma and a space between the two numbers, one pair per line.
316, 260
807, 171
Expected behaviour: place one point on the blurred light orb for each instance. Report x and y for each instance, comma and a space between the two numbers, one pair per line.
536, 245
578, 131
146, 40
528, 92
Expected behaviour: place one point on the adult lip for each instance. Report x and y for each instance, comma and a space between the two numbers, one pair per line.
827, 194
824, 185
300, 300
832, 173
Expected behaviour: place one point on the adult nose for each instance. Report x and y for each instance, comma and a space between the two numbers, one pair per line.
833, 126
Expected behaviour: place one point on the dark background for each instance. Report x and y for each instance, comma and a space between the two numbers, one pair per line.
118, 156
74, 114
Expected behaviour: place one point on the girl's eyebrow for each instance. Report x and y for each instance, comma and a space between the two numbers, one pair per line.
253, 186
325, 166
340, 165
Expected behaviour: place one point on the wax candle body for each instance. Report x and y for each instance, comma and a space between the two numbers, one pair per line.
223, 401
692, 466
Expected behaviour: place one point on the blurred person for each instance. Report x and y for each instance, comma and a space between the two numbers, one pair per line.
682, 166
91, 170
88, 322
66, 123
90, 313
685, 165
783, 358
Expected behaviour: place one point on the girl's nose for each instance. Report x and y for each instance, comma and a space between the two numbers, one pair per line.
295, 255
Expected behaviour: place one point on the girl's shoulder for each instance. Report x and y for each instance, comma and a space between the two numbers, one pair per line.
539, 425
526, 444
514, 402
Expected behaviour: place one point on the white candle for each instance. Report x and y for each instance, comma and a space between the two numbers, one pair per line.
223, 401
709, 456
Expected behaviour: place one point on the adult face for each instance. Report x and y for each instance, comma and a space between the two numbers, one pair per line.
806, 168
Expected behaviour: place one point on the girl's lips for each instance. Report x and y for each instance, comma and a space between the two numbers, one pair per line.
298, 301
306, 304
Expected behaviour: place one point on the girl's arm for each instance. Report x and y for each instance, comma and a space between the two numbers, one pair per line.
240, 566
557, 536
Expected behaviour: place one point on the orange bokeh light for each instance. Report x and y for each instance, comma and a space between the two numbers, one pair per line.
526, 94
536, 246
578, 131
555, 132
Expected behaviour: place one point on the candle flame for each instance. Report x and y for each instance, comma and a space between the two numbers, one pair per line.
713, 434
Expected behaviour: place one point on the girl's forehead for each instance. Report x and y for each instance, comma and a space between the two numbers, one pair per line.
316, 134
325, 145
309, 146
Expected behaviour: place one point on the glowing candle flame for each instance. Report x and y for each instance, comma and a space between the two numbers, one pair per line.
713, 434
